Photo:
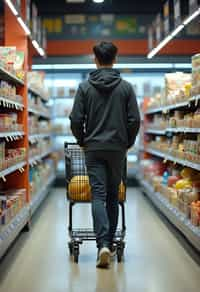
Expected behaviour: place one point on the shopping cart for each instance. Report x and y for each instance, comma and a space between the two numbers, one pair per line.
78, 191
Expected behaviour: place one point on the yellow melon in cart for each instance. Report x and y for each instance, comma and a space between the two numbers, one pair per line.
79, 184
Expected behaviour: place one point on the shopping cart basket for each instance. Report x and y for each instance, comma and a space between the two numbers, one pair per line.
78, 191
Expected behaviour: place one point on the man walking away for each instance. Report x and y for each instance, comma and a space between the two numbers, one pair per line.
105, 121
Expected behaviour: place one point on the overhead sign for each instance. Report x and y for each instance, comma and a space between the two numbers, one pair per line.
34, 16
150, 38
166, 18
177, 13
17, 4
158, 28
28, 12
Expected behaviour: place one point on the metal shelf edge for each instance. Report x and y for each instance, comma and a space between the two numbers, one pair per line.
10, 76
12, 168
10, 232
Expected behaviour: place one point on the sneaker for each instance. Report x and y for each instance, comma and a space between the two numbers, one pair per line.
103, 260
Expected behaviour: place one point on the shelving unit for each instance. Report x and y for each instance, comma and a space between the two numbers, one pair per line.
37, 93
17, 176
39, 157
158, 134
191, 232
41, 195
11, 230
37, 113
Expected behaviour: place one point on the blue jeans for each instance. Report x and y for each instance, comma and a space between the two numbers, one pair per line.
105, 173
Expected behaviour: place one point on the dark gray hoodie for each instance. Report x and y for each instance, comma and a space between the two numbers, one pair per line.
105, 114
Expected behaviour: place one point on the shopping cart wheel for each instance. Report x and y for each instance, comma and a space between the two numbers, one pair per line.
120, 251
76, 252
70, 245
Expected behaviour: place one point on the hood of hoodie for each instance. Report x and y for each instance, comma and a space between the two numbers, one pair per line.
105, 79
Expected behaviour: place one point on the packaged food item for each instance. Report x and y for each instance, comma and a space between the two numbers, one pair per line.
174, 82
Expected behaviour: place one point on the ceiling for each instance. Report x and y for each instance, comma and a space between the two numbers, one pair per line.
109, 6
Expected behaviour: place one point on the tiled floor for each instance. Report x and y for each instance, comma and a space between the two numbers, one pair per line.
155, 261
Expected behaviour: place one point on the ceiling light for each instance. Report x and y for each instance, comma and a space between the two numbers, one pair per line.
155, 50
177, 30
117, 66
23, 25
41, 52
98, 1
35, 44
12, 7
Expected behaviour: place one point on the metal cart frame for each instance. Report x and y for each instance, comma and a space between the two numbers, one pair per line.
77, 236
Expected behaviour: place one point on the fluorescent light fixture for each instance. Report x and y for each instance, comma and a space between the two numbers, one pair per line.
35, 44
98, 1
41, 52
23, 25
191, 17
183, 66
12, 7
155, 50
38, 48
177, 30
159, 47
117, 66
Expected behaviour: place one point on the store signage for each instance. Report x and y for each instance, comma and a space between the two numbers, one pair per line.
150, 38
166, 14
193, 5
17, 4
177, 13
39, 30
44, 39
28, 12
158, 28
34, 20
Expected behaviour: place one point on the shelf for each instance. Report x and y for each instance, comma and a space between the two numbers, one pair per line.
12, 103
37, 93
195, 98
191, 232
174, 159
173, 106
62, 97
11, 230
11, 134
36, 112
155, 132
7, 76
37, 158
167, 108
173, 130
40, 196
12, 169
60, 117
36, 137
183, 130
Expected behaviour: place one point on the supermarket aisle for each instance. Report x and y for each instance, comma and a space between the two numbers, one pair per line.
155, 260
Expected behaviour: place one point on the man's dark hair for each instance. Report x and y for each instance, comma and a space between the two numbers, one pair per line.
105, 52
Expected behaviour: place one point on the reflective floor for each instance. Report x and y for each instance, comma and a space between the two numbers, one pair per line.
155, 261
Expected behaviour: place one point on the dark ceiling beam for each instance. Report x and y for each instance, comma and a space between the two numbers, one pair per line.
110, 6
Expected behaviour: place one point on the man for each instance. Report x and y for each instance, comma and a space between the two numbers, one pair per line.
105, 121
